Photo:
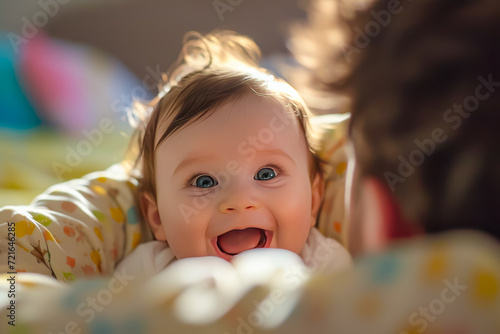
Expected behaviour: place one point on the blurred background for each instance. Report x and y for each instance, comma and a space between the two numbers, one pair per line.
70, 68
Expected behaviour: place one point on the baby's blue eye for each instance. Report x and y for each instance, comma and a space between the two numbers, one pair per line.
204, 181
265, 174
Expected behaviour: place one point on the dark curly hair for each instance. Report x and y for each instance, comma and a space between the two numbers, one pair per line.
423, 81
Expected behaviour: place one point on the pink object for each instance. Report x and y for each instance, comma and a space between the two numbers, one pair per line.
55, 80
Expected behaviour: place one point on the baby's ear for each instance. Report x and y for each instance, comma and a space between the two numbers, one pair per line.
317, 193
151, 214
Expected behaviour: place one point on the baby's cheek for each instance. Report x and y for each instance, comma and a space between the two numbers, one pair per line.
186, 230
297, 202
294, 222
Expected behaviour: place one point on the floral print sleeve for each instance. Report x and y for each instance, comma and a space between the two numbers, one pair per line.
75, 229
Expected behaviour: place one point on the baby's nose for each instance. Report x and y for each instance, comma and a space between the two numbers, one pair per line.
237, 198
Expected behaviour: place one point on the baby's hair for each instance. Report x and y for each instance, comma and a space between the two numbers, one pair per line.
211, 71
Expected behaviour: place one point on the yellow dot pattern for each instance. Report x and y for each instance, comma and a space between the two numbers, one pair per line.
98, 190
48, 236
436, 265
24, 227
485, 287
341, 167
98, 232
117, 214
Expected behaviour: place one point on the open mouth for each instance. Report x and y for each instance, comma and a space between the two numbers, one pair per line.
237, 241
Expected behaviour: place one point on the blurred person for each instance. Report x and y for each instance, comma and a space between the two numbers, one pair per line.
422, 79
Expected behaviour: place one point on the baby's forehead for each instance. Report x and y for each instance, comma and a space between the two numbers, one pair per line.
237, 111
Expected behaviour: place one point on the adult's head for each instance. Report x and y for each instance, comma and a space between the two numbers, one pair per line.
423, 79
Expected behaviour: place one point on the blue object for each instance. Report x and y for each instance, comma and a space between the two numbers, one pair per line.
16, 112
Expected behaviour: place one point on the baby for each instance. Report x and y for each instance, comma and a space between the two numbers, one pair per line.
227, 163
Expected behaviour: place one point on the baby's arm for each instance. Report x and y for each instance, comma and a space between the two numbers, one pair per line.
74, 229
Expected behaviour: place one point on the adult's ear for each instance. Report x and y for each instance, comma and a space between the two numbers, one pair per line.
150, 212
317, 193
377, 218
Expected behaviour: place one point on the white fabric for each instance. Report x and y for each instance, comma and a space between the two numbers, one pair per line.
324, 254
320, 254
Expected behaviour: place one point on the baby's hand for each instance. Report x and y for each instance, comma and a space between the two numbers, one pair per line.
265, 264
202, 289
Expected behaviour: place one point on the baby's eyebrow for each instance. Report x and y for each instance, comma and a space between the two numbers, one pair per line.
265, 152
189, 161
276, 151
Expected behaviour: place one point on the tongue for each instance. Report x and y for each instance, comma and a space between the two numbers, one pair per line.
237, 241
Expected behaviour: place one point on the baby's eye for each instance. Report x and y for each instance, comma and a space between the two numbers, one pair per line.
265, 173
204, 181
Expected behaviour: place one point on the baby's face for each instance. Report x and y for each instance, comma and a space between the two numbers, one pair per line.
234, 181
